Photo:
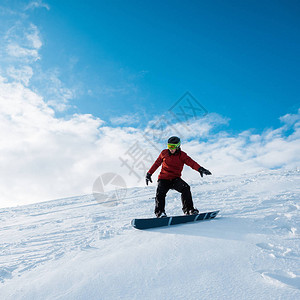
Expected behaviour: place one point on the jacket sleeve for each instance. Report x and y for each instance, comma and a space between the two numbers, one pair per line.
190, 162
157, 163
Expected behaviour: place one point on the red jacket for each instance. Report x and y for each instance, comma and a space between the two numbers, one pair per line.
172, 164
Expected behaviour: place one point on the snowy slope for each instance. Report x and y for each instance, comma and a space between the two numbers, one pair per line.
77, 248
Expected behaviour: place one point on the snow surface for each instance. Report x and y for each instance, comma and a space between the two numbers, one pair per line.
77, 248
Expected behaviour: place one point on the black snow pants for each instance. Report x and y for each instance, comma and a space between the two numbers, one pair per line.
177, 184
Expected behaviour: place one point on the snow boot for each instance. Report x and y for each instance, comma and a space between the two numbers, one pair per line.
193, 211
161, 214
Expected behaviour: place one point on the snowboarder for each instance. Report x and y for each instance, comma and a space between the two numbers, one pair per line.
173, 160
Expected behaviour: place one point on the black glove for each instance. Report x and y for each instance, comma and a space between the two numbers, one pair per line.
202, 171
148, 178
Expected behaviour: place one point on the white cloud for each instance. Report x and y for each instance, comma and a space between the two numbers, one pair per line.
21, 52
291, 119
248, 152
40, 154
37, 4
56, 94
126, 119
34, 38
22, 74
23, 42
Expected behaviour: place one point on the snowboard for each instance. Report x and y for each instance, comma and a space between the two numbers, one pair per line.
175, 220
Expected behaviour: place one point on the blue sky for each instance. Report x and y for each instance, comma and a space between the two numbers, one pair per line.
238, 58
84, 83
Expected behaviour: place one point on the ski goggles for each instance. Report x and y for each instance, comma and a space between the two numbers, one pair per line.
173, 146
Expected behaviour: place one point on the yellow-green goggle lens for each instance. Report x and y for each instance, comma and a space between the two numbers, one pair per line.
173, 146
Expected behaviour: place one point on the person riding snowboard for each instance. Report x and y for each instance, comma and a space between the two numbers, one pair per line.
173, 160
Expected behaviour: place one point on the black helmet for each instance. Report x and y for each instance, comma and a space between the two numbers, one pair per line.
174, 140
174, 143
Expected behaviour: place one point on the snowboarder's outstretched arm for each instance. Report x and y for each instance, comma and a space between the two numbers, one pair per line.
194, 165
190, 162
154, 167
